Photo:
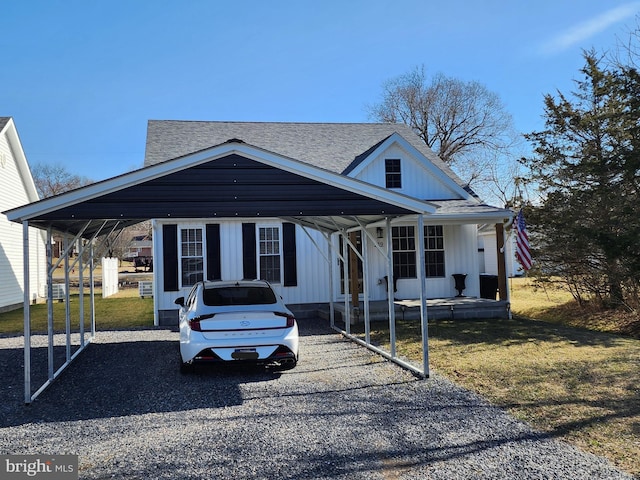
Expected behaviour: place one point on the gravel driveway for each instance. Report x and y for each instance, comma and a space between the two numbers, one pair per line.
343, 412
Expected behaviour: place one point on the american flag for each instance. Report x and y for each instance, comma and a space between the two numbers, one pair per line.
523, 254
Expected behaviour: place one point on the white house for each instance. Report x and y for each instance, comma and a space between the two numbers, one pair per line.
325, 212
17, 188
293, 257
288, 202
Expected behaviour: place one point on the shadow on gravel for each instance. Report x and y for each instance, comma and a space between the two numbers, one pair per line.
120, 379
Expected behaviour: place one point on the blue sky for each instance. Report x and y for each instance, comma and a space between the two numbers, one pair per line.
82, 78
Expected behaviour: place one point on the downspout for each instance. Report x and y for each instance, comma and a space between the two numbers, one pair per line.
507, 286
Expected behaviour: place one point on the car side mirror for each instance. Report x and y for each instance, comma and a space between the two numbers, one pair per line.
179, 301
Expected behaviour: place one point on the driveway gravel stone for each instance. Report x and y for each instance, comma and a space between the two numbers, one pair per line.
343, 412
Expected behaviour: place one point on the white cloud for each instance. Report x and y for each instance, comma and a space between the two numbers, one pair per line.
580, 33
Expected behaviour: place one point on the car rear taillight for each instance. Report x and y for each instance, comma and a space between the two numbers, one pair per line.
194, 324
291, 320
283, 352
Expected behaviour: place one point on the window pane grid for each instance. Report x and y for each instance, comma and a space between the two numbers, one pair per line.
404, 264
192, 261
404, 251
269, 253
270, 268
393, 176
434, 251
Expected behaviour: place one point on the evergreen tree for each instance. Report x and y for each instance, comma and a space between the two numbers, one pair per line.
587, 167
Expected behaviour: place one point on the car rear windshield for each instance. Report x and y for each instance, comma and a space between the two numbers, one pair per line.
220, 297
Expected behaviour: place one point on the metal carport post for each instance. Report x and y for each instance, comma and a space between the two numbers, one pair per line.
392, 356
388, 254
27, 314
52, 374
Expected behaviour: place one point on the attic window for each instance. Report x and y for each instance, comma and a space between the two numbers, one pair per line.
393, 177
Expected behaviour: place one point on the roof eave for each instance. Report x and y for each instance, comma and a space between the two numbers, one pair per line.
89, 192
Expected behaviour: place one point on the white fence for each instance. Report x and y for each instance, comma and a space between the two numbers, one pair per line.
109, 277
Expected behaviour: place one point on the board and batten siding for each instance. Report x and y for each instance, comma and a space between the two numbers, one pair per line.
460, 243
13, 194
461, 250
417, 181
312, 284
461, 256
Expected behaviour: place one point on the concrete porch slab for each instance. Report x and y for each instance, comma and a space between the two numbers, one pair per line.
437, 308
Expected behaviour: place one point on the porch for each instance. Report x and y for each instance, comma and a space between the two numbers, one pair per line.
438, 308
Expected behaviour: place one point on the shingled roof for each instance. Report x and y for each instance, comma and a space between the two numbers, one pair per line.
337, 147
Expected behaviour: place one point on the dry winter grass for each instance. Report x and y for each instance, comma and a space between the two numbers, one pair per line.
553, 304
576, 384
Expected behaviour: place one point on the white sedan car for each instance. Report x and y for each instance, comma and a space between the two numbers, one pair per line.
239, 321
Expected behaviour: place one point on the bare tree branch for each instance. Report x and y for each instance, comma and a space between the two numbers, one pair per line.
463, 122
53, 180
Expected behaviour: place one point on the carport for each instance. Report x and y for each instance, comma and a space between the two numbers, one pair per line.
231, 180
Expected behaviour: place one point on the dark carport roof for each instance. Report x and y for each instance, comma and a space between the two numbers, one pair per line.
231, 180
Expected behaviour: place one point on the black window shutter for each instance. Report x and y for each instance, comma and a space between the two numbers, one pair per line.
289, 250
170, 257
214, 269
249, 264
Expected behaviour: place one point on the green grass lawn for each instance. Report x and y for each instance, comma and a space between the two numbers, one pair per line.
124, 310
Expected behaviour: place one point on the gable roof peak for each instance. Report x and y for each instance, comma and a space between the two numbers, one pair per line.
4, 121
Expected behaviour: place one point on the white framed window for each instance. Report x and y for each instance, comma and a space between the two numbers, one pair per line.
404, 251
403, 241
191, 256
270, 253
392, 173
434, 251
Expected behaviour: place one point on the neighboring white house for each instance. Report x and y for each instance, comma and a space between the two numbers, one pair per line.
293, 258
487, 248
17, 188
